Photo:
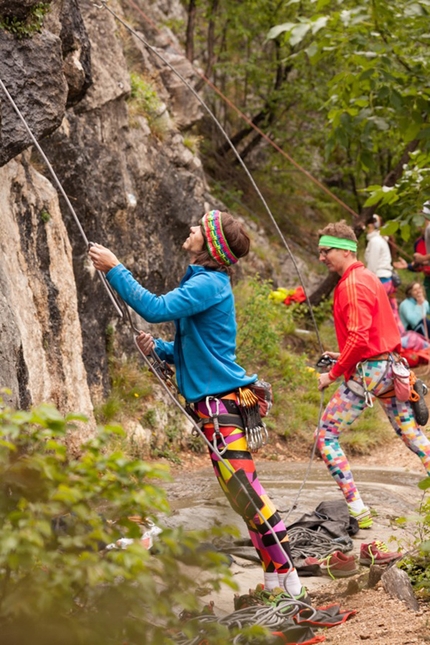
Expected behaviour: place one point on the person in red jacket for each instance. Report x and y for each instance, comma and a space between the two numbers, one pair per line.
369, 342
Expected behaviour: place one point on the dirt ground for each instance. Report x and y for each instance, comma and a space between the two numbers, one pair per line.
380, 619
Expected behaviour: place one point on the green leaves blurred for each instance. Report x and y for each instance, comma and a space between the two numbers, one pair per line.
58, 512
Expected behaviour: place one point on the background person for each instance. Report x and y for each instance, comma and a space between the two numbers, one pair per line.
377, 257
414, 309
368, 339
207, 374
421, 261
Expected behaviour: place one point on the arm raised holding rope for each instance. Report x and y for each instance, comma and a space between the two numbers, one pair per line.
208, 376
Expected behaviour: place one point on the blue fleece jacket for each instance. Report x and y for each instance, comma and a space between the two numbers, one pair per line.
411, 313
202, 308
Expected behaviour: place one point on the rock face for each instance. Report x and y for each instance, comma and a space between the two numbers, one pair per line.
41, 347
132, 184
111, 117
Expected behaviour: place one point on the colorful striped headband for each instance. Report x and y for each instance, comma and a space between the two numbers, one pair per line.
215, 239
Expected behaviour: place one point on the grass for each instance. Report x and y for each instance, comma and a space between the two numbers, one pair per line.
267, 344
133, 402
144, 101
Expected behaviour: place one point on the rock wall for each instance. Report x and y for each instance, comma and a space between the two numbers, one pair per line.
131, 189
132, 182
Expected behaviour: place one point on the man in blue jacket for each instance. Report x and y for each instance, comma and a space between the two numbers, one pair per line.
204, 354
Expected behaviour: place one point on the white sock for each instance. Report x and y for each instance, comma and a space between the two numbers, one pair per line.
271, 580
357, 505
290, 581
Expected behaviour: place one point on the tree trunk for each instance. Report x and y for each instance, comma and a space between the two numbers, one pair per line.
211, 58
266, 115
189, 43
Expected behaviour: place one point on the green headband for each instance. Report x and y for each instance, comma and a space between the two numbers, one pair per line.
337, 243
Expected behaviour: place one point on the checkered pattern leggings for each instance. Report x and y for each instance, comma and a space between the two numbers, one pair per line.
345, 406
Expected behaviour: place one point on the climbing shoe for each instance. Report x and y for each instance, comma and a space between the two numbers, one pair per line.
303, 597
363, 517
280, 598
376, 552
336, 565
277, 598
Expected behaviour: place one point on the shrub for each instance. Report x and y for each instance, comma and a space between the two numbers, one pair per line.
57, 584
30, 25
417, 560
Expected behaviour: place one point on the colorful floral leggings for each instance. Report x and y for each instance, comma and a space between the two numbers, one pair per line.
345, 406
237, 456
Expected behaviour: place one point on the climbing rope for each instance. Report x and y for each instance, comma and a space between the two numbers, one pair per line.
159, 368
153, 362
156, 53
273, 618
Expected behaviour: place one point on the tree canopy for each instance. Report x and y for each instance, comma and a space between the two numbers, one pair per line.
340, 85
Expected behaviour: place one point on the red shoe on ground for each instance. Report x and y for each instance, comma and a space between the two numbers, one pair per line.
335, 565
377, 553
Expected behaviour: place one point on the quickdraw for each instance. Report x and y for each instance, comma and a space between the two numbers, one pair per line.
255, 429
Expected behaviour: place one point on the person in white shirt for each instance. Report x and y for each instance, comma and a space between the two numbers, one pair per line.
377, 258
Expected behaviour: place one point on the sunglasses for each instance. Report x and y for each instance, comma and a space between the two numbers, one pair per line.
325, 252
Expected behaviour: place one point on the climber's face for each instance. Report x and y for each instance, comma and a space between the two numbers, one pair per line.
195, 241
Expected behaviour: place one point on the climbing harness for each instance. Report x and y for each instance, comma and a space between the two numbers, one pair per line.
214, 419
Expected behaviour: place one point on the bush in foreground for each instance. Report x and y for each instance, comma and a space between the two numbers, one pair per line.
57, 583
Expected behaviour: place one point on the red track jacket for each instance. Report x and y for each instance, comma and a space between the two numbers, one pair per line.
363, 320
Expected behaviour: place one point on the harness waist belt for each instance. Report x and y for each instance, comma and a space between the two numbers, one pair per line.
225, 420
380, 357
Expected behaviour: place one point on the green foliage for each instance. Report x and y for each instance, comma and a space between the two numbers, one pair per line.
131, 399
321, 313
144, 101
261, 325
417, 543
267, 344
31, 25
45, 216
56, 585
377, 99
130, 385
192, 142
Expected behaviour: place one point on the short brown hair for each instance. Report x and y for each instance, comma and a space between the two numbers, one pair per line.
339, 229
237, 238
409, 288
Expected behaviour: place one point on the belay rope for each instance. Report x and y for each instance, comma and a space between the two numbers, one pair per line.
103, 5
156, 53
160, 369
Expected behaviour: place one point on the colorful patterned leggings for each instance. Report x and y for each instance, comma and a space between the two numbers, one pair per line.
345, 406
237, 456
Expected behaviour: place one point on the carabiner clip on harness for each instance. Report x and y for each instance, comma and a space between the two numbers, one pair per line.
367, 395
217, 435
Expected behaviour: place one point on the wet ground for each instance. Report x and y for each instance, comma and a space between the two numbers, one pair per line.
197, 502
